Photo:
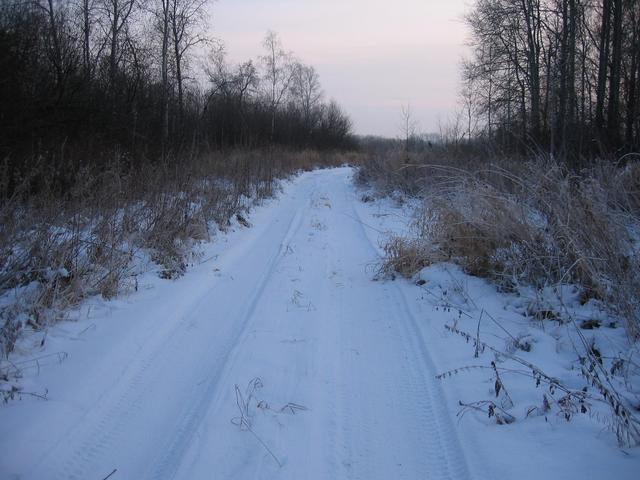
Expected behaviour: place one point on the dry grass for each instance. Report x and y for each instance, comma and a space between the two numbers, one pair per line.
532, 222
406, 256
57, 248
396, 171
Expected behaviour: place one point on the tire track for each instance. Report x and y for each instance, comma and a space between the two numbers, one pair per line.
446, 460
107, 425
169, 461
364, 371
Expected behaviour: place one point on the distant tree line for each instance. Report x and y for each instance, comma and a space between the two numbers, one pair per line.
84, 80
278, 99
561, 76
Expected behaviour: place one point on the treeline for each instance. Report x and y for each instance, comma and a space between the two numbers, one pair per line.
84, 81
562, 76
276, 99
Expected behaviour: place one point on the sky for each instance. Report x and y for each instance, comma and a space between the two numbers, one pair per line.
373, 56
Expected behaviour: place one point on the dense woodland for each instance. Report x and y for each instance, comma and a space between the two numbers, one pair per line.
86, 81
558, 76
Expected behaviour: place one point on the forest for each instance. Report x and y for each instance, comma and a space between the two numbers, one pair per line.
554, 76
85, 81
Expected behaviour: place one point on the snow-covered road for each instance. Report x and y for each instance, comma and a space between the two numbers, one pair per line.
333, 379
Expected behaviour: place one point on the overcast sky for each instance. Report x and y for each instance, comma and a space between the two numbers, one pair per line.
372, 55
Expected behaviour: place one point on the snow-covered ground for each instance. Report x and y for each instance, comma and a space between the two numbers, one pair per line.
279, 356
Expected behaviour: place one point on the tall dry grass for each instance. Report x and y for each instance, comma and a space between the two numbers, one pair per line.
59, 247
518, 222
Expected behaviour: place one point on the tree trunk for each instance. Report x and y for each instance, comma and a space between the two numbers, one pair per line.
569, 133
165, 75
86, 46
566, 104
632, 90
113, 56
532, 21
178, 26
178, 55
602, 62
613, 118
56, 56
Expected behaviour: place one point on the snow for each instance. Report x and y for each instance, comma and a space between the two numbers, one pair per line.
279, 356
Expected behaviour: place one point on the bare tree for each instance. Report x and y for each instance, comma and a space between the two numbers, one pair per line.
85, 18
246, 81
162, 22
279, 73
233, 83
55, 48
531, 13
117, 13
632, 119
468, 92
613, 120
60, 44
219, 72
408, 126
307, 91
560, 73
451, 131
105, 79
188, 24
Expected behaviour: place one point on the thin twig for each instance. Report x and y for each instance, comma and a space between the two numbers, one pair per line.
114, 471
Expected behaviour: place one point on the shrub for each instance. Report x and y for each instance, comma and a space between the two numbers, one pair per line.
533, 222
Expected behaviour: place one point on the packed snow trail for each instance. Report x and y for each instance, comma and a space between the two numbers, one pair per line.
332, 378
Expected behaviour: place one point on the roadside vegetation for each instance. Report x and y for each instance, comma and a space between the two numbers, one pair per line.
126, 138
57, 250
517, 222
562, 243
534, 185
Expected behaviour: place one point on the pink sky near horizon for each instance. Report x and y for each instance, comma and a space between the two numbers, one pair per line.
372, 56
